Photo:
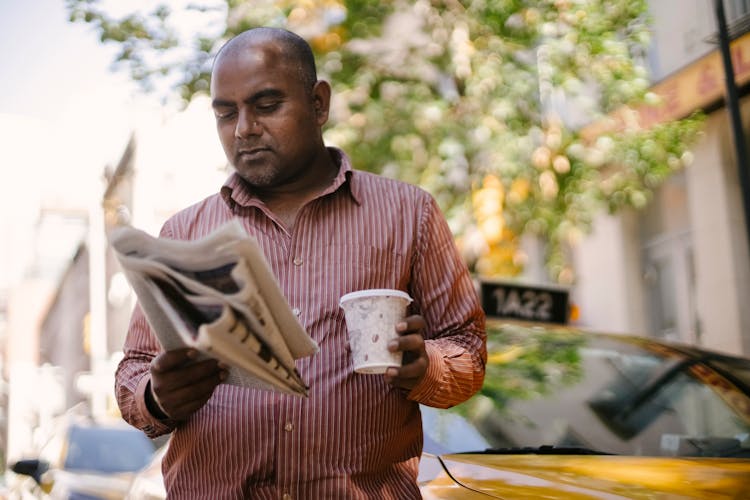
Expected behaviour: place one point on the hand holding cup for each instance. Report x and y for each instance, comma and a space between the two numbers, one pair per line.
415, 360
371, 319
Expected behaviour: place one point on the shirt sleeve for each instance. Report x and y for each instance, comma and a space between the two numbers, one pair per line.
132, 377
445, 295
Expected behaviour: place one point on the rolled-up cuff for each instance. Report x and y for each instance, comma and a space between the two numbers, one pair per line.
425, 389
154, 426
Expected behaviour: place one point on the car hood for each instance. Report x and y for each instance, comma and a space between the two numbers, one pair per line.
605, 477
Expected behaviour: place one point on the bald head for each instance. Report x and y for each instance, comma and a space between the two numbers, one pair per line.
293, 48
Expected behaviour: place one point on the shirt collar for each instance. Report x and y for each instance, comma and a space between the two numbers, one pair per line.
236, 192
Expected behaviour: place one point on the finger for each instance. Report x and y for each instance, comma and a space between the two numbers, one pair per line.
199, 388
409, 342
185, 376
182, 401
185, 409
179, 405
395, 377
171, 359
189, 374
411, 323
415, 369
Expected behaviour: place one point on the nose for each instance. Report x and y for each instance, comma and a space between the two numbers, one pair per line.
247, 125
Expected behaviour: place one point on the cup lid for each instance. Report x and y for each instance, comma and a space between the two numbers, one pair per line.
375, 292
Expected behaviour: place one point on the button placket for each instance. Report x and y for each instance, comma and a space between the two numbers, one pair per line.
289, 447
297, 261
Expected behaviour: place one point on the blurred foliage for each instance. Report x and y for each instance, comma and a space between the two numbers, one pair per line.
481, 102
524, 365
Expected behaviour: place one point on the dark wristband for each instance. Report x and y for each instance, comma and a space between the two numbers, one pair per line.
152, 406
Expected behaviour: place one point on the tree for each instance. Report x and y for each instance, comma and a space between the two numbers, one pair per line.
482, 102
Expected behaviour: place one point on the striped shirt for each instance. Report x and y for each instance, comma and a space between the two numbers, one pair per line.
354, 436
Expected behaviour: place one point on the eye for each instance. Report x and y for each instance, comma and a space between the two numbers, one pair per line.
268, 106
224, 114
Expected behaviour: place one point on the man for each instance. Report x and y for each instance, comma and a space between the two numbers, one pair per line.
326, 230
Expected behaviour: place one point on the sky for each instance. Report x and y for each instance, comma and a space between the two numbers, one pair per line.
65, 115
56, 71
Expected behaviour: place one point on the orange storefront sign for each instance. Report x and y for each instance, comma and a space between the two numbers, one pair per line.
695, 86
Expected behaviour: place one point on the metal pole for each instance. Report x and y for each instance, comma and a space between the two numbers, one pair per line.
733, 107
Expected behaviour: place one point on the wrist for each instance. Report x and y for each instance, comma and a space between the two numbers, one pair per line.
153, 405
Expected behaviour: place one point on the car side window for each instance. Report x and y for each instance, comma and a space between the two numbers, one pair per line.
710, 426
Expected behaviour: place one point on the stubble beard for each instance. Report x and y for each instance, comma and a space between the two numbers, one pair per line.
258, 175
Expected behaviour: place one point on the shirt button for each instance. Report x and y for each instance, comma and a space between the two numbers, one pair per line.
296, 311
297, 261
289, 427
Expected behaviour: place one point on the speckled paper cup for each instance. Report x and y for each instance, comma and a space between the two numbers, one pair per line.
371, 318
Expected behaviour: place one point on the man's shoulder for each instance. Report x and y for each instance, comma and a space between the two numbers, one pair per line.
371, 182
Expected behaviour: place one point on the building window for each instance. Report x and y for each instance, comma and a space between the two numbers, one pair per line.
668, 268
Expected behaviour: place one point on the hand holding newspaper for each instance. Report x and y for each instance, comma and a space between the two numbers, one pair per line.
219, 296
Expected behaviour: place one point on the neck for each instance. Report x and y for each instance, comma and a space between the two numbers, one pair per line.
308, 185
286, 201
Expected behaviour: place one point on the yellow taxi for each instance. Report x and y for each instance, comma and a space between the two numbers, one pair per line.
565, 413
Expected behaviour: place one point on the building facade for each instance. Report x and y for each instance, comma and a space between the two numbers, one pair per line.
681, 268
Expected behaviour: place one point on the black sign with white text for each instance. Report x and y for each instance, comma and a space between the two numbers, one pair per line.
527, 303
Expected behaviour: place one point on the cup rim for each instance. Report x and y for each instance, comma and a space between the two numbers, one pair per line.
373, 292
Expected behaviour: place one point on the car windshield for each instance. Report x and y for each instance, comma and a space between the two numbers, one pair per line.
604, 393
107, 449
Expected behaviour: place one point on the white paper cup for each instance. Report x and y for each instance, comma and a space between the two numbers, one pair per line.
371, 318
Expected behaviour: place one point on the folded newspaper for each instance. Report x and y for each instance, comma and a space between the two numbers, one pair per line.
219, 296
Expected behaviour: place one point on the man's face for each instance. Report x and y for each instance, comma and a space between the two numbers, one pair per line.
268, 122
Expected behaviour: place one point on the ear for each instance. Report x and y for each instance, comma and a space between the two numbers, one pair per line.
321, 94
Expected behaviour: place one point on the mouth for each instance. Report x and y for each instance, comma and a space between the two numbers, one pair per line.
250, 153
251, 149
